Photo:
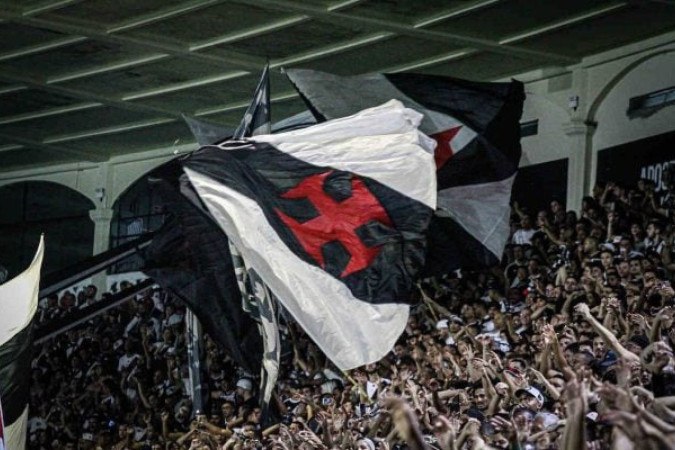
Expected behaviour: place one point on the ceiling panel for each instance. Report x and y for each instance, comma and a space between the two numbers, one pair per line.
79, 56
622, 27
74, 122
14, 36
483, 67
211, 95
26, 4
31, 100
218, 20
387, 53
404, 11
504, 19
168, 135
295, 39
320, 3
147, 76
106, 12
119, 91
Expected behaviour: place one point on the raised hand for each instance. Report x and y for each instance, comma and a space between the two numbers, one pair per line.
584, 310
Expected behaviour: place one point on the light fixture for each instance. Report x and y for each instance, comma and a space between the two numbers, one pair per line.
100, 193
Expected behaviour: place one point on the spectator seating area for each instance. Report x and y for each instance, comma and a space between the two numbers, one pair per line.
568, 344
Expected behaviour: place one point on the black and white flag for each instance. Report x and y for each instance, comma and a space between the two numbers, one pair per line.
333, 218
18, 303
477, 131
257, 119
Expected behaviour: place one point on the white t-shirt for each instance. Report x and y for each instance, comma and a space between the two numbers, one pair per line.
125, 361
523, 237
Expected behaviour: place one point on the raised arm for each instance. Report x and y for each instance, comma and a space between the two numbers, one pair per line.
606, 334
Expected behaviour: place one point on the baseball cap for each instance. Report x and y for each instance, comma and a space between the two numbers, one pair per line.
533, 391
245, 384
456, 319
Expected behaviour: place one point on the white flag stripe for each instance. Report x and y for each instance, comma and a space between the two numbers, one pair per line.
391, 117
481, 208
15, 434
462, 138
18, 303
19, 298
350, 332
381, 143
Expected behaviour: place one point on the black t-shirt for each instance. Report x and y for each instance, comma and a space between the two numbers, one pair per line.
663, 384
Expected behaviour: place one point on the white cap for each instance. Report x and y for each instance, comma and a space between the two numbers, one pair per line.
174, 319
369, 443
245, 384
441, 324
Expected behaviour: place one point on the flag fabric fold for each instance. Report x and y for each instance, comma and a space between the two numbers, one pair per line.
333, 219
190, 258
18, 303
257, 118
207, 133
258, 301
193, 259
476, 127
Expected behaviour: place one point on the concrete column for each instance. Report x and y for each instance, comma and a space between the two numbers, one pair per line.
102, 217
579, 166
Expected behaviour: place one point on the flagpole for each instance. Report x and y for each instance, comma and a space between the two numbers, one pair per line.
194, 337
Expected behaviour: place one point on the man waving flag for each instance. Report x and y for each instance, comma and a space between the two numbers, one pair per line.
333, 219
18, 303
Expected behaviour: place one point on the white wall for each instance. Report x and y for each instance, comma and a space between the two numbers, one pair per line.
654, 72
614, 127
603, 83
115, 176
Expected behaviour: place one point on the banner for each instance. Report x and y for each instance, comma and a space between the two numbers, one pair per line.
642, 159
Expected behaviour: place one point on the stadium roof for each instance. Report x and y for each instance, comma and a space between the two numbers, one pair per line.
86, 80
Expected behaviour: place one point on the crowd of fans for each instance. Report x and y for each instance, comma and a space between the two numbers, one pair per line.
566, 345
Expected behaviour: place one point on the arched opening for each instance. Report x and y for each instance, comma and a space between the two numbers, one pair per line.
30, 208
628, 148
136, 211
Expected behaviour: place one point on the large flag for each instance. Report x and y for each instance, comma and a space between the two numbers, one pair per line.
333, 219
18, 303
190, 258
300, 120
476, 126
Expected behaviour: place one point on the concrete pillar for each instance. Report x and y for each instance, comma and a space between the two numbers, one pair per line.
579, 167
102, 217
